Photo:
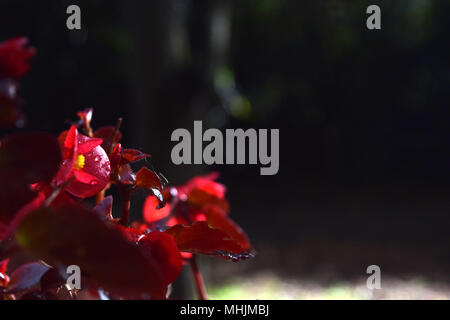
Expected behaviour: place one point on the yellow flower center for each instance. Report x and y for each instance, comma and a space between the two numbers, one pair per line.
80, 162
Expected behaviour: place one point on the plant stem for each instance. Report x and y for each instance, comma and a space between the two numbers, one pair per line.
101, 195
126, 204
116, 131
57, 191
88, 130
199, 283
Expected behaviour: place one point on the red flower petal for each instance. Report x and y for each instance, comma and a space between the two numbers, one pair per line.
94, 176
84, 177
96, 171
89, 144
70, 142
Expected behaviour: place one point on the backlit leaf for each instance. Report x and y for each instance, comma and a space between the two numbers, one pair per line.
75, 236
200, 238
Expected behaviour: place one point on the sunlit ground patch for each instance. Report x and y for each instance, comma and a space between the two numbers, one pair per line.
269, 286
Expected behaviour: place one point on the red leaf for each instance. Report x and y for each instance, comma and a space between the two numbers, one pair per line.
132, 155
31, 157
219, 220
25, 159
163, 249
108, 136
33, 205
27, 276
76, 236
149, 180
14, 56
200, 238
52, 279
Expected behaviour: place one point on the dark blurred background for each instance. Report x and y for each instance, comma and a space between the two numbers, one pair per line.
363, 115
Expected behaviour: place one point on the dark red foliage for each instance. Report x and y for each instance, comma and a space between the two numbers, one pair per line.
52, 279
201, 203
147, 179
110, 136
25, 159
132, 155
14, 56
44, 183
201, 238
10, 112
152, 215
219, 220
122, 173
73, 235
188, 202
27, 277
162, 248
